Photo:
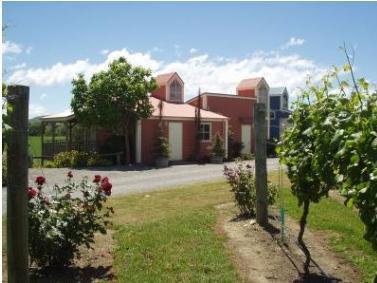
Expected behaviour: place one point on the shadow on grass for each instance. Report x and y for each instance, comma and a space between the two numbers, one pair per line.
71, 274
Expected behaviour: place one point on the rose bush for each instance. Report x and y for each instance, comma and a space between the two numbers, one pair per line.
242, 180
69, 217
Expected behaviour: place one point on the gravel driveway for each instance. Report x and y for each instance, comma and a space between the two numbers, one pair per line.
128, 180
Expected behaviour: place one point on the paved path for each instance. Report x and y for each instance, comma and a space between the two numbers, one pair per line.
138, 180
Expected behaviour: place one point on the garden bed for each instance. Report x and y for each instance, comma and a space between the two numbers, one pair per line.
261, 257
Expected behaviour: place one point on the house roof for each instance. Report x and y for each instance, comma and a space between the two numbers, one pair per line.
225, 95
63, 116
249, 83
181, 110
164, 78
277, 90
170, 110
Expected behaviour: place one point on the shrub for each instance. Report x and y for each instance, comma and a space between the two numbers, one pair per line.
76, 158
241, 179
236, 148
218, 148
59, 224
247, 156
162, 147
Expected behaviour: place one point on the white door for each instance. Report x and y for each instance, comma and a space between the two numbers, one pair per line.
246, 138
175, 141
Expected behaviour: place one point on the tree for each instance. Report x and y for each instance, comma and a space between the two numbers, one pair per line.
115, 98
332, 144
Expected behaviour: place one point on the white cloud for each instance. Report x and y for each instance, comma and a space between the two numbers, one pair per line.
11, 47
193, 50
43, 96
63, 73
293, 41
36, 110
105, 51
216, 74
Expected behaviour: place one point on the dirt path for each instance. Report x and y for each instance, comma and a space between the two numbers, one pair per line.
261, 258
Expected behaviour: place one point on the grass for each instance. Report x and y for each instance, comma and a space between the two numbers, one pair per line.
169, 236
344, 228
35, 144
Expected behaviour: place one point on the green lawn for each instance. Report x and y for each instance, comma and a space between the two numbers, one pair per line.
345, 228
170, 236
35, 144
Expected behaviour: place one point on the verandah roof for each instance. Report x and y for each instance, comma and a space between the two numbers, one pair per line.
170, 110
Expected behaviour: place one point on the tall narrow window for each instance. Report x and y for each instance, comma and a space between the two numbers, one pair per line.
285, 101
205, 132
175, 91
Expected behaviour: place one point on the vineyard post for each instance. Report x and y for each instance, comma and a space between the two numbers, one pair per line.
260, 163
17, 162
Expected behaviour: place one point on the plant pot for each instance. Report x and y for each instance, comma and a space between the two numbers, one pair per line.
216, 159
162, 162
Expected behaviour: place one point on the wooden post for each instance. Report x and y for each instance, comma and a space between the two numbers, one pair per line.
53, 137
17, 202
42, 141
260, 163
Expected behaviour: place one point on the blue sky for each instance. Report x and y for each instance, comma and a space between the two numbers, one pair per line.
211, 45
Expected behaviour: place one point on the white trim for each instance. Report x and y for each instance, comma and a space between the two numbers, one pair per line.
180, 81
210, 131
138, 141
205, 102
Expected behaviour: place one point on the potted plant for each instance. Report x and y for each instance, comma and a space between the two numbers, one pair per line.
162, 152
218, 150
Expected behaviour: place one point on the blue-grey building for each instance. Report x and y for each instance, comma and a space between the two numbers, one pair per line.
279, 111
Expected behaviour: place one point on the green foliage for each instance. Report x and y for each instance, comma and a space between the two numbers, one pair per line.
60, 224
234, 147
242, 180
218, 148
111, 96
332, 143
162, 148
76, 158
247, 156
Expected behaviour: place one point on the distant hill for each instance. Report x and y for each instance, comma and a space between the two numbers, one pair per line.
36, 119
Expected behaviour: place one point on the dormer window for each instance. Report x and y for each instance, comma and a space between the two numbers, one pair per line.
175, 91
285, 101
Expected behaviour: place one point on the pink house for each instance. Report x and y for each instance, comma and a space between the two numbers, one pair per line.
218, 113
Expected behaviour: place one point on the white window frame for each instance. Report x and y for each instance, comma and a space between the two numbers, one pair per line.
170, 93
209, 134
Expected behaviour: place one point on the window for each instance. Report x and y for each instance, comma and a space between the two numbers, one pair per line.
285, 101
272, 115
205, 132
175, 91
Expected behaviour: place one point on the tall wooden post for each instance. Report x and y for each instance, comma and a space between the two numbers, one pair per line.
53, 125
17, 162
260, 162
42, 141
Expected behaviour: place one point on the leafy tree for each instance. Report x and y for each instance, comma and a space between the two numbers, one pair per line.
115, 98
332, 143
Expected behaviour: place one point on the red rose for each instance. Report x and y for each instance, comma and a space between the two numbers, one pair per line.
106, 186
31, 192
97, 179
40, 180
69, 174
